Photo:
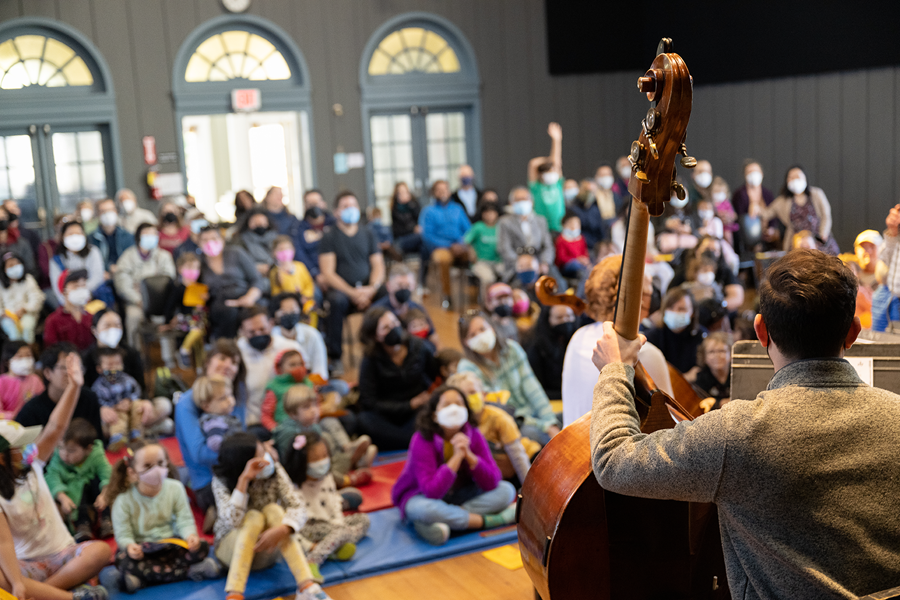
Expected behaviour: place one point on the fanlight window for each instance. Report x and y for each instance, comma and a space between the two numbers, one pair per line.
413, 49
236, 55
28, 60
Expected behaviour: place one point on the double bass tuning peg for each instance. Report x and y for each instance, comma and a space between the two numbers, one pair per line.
688, 162
679, 190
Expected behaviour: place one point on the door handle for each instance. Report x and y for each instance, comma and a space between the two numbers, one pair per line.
32, 129
42, 216
47, 128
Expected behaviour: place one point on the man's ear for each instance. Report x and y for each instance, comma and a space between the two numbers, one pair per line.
853, 333
759, 326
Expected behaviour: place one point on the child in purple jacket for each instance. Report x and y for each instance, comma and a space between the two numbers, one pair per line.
450, 481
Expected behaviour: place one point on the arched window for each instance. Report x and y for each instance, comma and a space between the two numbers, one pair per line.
58, 135
225, 150
420, 104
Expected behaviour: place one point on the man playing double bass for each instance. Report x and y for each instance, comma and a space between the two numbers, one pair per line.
806, 477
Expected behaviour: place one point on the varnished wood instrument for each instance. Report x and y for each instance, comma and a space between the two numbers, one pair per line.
577, 540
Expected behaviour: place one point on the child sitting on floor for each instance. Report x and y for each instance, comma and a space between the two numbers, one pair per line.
154, 525
448, 361
119, 394
214, 396
327, 533
186, 313
450, 480
350, 459
290, 370
259, 513
19, 383
77, 477
512, 452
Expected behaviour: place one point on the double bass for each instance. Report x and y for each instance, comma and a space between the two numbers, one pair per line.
578, 540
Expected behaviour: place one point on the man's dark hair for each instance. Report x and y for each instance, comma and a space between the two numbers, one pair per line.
808, 301
81, 432
250, 312
100, 352
50, 355
342, 195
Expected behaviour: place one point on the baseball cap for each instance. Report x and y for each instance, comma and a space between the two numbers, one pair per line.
871, 236
13, 435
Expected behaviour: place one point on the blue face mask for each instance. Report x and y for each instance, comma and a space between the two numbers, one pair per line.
269, 469
318, 469
350, 215
523, 207
198, 224
676, 321
527, 277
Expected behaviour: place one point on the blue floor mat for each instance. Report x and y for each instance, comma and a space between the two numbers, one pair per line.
372, 558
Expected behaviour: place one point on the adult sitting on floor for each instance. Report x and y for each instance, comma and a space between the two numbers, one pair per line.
400, 286
394, 378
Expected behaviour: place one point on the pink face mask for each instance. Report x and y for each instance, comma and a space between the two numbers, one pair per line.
284, 255
190, 275
213, 247
520, 307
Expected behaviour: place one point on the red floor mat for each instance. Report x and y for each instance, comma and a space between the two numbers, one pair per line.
377, 495
169, 443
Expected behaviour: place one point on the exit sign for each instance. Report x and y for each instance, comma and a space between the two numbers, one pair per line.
246, 100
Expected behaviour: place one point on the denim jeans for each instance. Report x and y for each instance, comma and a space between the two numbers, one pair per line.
885, 308
426, 510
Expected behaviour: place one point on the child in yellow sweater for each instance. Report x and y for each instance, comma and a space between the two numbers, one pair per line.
291, 276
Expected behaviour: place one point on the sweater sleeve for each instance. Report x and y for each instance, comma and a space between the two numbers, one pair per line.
34, 297
291, 500
122, 525
52, 475
518, 457
185, 525
248, 267
231, 506
95, 268
531, 390
125, 280
684, 463
434, 479
486, 473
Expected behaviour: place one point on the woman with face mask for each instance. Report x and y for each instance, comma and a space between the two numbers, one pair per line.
547, 349
12, 241
173, 232
259, 511
109, 332
802, 207
257, 237
144, 259
679, 336
234, 282
451, 481
396, 372
72, 253
502, 364
545, 181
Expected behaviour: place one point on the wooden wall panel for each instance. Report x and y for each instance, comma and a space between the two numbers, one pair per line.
78, 14
829, 163
850, 205
806, 107
881, 147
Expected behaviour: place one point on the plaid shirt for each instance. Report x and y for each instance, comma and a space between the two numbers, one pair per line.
110, 393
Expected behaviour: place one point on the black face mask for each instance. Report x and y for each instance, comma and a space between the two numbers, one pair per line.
13, 217
289, 320
4, 225
564, 330
394, 337
402, 296
313, 213
503, 311
170, 218
260, 342
260, 230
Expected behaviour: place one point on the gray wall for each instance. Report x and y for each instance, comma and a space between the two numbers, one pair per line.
841, 127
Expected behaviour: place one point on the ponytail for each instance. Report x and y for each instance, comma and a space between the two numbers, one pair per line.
118, 481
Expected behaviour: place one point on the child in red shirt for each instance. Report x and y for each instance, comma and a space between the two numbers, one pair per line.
571, 250
70, 322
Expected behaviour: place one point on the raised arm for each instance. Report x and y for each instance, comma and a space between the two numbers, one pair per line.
62, 414
555, 132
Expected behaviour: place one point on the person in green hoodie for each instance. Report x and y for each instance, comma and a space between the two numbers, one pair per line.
77, 477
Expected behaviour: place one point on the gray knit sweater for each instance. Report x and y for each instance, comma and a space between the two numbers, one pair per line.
806, 477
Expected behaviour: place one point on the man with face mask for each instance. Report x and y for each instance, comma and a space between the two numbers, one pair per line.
285, 311
110, 237
444, 225
700, 185
70, 322
400, 285
467, 195
132, 214
525, 232
258, 348
545, 181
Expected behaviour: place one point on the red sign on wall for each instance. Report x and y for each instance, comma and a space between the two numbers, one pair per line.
149, 149
248, 100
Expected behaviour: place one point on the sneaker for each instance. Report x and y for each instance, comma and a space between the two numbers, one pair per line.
351, 498
90, 592
135, 434
83, 533
106, 528
436, 534
209, 521
109, 578
368, 458
208, 568
359, 446
316, 574
505, 517
345, 552
360, 477
312, 592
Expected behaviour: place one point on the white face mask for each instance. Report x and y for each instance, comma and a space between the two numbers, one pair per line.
15, 272
703, 179
571, 234
570, 193
484, 342
676, 321
110, 337
675, 202
625, 173
149, 242
605, 182
706, 278
523, 207
154, 476
705, 214
75, 242
86, 214
720, 197
318, 469
129, 206
79, 296
453, 416
797, 186
754, 178
109, 219
21, 367
550, 178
